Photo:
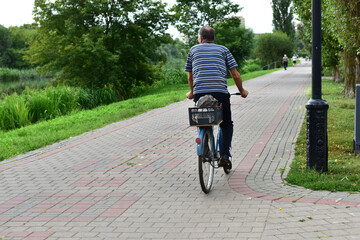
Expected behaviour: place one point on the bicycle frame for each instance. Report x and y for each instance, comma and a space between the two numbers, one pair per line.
217, 142
208, 150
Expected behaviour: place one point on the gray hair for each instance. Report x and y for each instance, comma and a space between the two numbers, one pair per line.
207, 33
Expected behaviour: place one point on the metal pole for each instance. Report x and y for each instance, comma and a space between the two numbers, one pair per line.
316, 49
317, 141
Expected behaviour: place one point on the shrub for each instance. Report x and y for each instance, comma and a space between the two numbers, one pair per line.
175, 76
251, 66
271, 47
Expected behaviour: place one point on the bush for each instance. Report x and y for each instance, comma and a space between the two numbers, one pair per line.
271, 47
175, 76
251, 66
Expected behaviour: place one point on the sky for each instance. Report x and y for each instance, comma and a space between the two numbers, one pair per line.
257, 14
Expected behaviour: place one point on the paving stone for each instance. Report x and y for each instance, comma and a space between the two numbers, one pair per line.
138, 178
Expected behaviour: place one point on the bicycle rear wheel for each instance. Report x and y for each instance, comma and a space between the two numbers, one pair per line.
206, 164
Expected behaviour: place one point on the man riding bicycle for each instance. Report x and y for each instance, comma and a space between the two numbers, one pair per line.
207, 64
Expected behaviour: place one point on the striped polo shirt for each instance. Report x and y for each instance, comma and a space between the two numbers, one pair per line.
209, 63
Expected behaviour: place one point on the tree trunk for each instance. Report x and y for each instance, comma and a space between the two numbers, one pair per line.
337, 75
350, 74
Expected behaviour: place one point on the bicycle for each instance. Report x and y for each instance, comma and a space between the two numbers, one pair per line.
208, 145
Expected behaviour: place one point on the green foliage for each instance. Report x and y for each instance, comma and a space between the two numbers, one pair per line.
38, 105
251, 66
344, 23
5, 43
340, 33
283, 17
174, 76
173, 69
238, 39
13, 113
13, 44
20, 36
192, 14
91, 98
99, 43
176, 50
271, 47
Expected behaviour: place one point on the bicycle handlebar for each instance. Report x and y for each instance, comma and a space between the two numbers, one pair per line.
235, 93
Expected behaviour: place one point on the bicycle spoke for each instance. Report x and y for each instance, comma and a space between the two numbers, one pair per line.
206, 168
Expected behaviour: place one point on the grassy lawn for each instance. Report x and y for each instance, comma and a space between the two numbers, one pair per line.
344, 166
38, 135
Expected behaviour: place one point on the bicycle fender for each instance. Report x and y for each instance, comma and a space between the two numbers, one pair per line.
199, 146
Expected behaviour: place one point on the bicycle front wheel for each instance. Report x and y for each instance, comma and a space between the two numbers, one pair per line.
206, 162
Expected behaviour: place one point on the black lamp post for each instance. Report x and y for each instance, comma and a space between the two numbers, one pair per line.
317, 141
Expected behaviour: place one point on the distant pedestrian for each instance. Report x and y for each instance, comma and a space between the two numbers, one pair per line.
285, 61
294, 59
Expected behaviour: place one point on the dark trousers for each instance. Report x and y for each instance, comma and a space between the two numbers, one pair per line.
227, 124
285, 65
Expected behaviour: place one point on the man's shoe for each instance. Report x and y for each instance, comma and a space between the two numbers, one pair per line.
225, 162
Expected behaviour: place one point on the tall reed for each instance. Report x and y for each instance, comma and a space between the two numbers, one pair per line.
39, 105
13, 113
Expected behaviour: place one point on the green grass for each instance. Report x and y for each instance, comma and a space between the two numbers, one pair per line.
35, 136
343, 165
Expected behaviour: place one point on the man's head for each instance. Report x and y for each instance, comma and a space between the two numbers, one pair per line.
206, 34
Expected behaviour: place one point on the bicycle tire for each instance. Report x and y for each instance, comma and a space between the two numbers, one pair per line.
206, 165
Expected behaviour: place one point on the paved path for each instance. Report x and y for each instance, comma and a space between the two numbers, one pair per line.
137, 179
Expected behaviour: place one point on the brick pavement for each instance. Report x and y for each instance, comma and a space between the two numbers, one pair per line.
137, 179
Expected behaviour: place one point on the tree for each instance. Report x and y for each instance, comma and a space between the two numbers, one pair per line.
283, 17
5, 43
192, 14
340, 36
20, 38
271, 47
344, 25
13, 44
238, 39
98, 43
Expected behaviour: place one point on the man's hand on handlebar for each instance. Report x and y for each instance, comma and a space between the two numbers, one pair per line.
190, 95
244, 93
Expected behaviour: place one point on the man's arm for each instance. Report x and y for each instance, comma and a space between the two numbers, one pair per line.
190, 95
238, 81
